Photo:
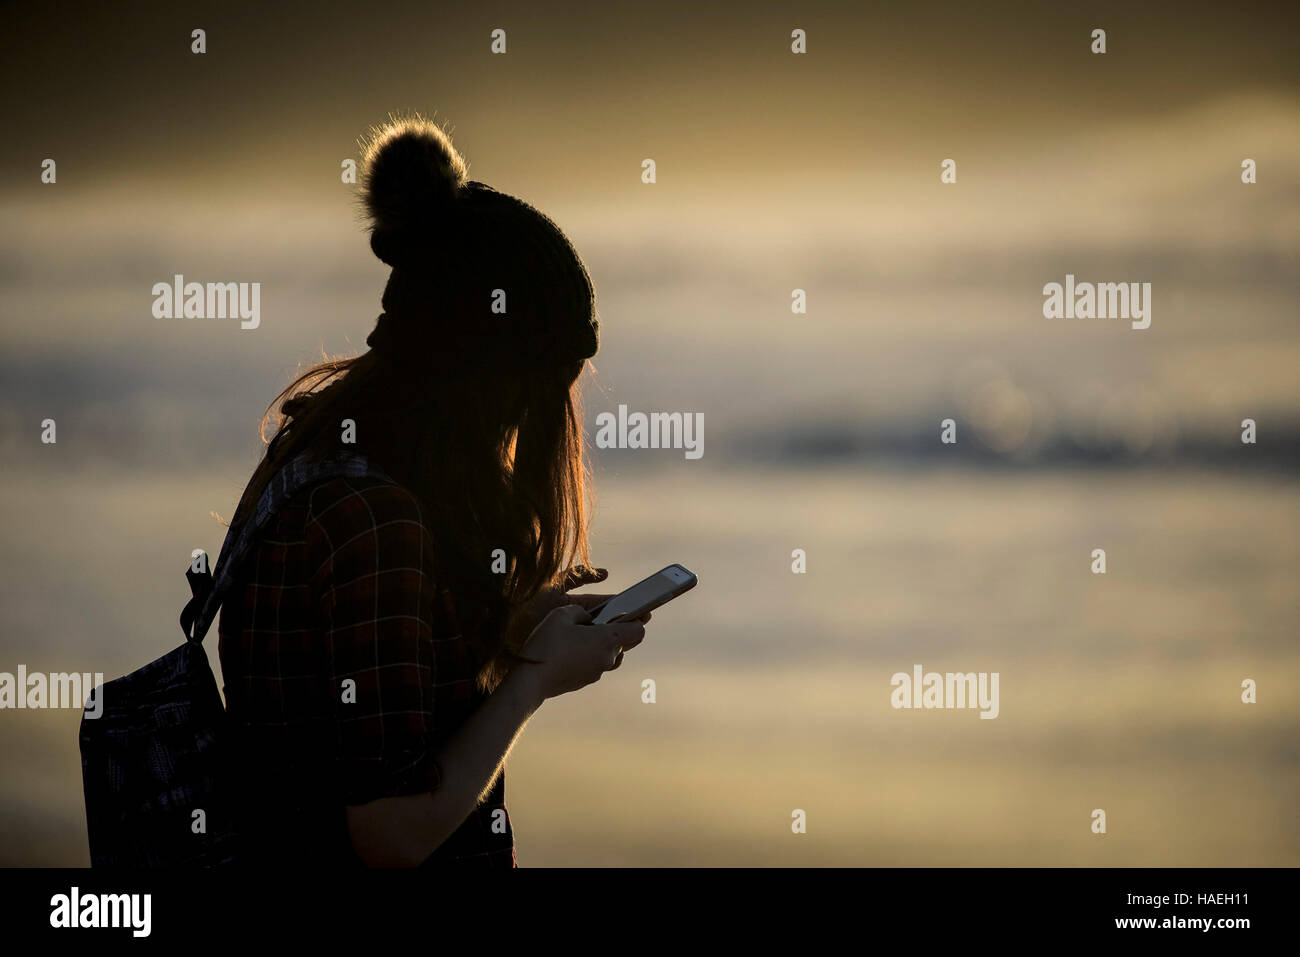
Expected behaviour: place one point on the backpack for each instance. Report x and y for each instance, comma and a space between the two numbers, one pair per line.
154, 756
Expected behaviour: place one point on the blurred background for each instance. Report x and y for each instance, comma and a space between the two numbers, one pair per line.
774, 172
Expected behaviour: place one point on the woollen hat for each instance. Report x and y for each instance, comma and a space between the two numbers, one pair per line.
479, 277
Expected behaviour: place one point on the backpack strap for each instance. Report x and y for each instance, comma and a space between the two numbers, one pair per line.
209, 590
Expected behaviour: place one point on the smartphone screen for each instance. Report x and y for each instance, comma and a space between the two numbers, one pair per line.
647, 595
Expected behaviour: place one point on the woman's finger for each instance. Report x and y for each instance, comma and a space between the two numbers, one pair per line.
574, 614
582, 575
589, 600
626, 634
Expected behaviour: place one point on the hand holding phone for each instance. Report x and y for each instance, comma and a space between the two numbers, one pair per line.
645, 596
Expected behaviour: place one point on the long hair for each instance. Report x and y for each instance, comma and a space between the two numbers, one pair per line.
495, 459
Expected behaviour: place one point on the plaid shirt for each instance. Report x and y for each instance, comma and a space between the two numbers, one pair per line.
344, 672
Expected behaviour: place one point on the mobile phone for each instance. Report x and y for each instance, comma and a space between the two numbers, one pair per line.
659, 589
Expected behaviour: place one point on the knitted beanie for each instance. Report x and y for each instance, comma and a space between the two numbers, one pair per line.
479, 277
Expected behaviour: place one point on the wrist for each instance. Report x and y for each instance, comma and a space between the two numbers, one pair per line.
526, 682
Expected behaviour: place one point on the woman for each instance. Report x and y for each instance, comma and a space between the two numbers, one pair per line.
391, 633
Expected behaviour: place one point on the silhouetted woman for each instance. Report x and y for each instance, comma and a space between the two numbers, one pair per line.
373, 643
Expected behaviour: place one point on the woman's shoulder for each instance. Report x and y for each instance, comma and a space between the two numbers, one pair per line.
347, 506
